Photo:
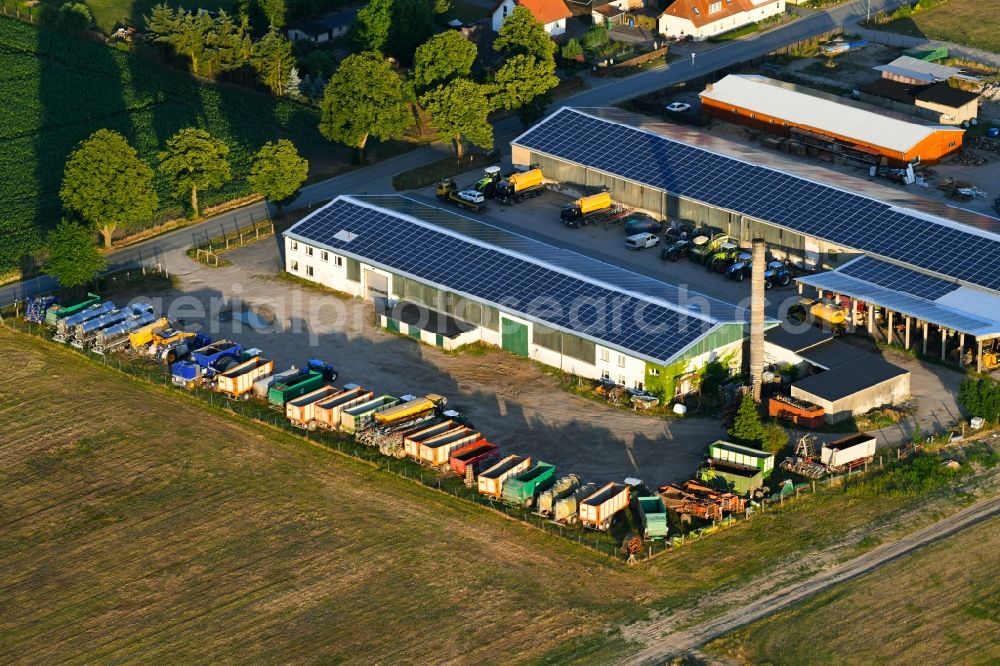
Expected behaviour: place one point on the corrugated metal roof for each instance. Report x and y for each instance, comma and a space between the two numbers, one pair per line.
918, 69
760, 94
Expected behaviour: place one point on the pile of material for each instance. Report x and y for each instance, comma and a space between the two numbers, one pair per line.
985, 143
693, 499
969, 158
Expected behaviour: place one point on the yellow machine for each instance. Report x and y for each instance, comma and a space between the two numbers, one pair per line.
823, 312
410, 409
141, 337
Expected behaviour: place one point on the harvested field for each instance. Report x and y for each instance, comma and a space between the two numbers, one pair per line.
959, 21
938, 605
140, 525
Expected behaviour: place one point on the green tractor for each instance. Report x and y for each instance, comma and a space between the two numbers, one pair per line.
487, 185
722, 258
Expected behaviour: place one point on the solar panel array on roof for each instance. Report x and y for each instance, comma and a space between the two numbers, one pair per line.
897, 277
414, 249
940, 246
914, 306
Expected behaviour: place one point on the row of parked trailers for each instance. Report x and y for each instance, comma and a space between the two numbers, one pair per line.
415, 427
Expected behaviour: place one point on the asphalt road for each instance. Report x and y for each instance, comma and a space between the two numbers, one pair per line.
674, 644
377, 177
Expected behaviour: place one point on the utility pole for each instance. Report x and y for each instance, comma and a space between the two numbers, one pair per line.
692, 62
868, 18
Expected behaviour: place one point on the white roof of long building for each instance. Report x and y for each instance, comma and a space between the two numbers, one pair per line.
760, 94
919, 69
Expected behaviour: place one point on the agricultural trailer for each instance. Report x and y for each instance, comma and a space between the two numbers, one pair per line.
567, 509
848, 452
327, 412
353, 419
732, 477
56, 311
114, 338
598, 510
292, 387
491, 480
301, 412
742, 455
84, 334
413, 440
65, 326
410, 410
436, 451
218, 356
261, 385
238, 381
477, 455
523, 489
562, 489
143, 335
654, 516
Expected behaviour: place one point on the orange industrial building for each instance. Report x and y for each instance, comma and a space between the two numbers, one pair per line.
827, 125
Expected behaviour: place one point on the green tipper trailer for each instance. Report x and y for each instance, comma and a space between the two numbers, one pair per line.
293, 387
57, 312
523, 489
731, 477
654, 517
744, 456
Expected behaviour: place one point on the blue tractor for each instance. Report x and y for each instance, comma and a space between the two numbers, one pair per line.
776, 273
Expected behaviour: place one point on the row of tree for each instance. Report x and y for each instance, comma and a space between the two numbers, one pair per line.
368, 97
107, 187
217, 44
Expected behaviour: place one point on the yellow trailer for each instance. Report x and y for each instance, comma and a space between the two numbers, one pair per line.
409, 410
141, 337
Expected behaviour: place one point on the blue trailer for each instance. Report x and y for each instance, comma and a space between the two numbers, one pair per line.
186, 374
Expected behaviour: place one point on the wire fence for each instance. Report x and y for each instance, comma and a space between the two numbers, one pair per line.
232, 233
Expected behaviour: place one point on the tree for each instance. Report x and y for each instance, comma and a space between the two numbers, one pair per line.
521, 32
442, 58
595, 37
459, 112
523, 78
274, 12
74, 17
774, 439
442, 6
278, 172
273, 60
980, 397
412, 25
187, 33
194, 161
293, 86
572, 50
747, 429
74, 260
372, 25
107, 186
365, 97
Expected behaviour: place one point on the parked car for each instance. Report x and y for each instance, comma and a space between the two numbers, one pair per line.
472, 196
642, 241
636, 224
678, 107
675, 250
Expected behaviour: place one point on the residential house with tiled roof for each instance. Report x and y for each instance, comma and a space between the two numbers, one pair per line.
552, 13
701, 19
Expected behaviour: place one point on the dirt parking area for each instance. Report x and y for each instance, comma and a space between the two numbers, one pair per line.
511, 400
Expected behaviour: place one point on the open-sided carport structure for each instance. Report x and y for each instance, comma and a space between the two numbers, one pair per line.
925, 307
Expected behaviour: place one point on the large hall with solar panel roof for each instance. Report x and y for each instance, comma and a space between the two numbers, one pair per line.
913, 278
919, 279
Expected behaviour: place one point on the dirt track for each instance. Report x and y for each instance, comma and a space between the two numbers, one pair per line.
664, 644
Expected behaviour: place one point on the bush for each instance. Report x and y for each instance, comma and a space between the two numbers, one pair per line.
924, 474
980, 397
775, 438
74, 17
572, 50
595, 38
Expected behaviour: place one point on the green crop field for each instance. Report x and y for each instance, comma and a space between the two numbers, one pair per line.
940, 605
56, 91
141, 525
961, 21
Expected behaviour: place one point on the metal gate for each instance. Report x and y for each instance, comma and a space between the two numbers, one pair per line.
514, 337
376, 285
